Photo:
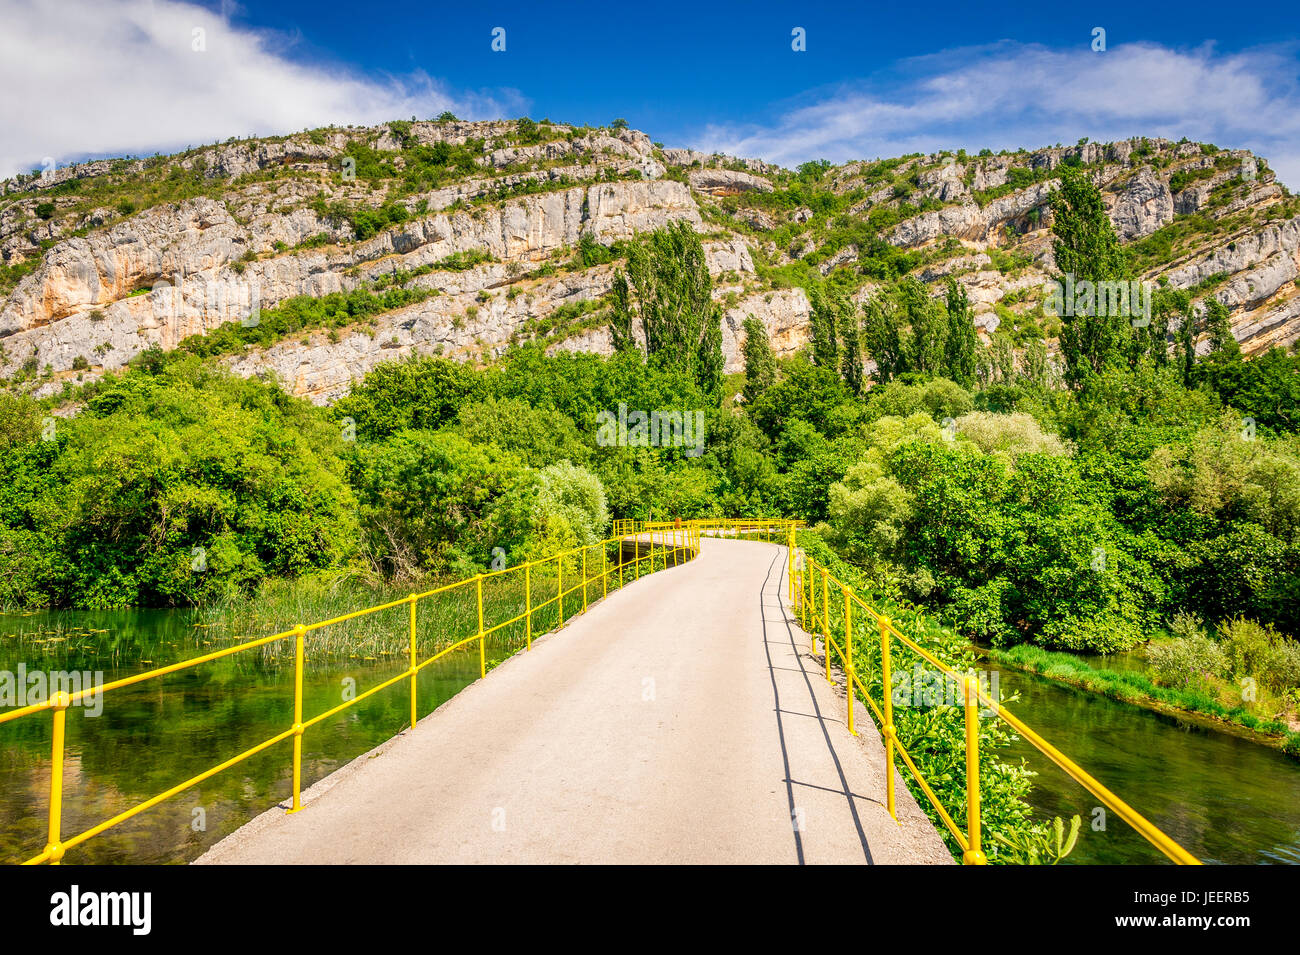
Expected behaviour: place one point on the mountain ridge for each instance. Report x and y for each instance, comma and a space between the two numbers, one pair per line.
507, 231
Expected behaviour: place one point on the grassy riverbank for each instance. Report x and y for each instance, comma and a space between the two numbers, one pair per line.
1138, 687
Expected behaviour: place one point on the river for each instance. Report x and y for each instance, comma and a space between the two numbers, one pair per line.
151, 736
1226, 799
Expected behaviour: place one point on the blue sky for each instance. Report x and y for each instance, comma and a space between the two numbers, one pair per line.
108, 77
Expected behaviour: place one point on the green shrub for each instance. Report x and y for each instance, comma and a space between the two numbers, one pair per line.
1261, 652
1187, 661
1012, 433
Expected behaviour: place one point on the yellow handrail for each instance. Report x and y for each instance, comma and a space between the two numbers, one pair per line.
685, 544
676, 540
804, 598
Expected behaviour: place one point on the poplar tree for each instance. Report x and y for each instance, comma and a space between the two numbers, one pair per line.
760, 363
1218, 322
962, 342
1169, 308
851, 352
882, 336
925, 316
1087, 248
666, 292
823, 321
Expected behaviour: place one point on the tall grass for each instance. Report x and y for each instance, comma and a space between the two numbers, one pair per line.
442, 619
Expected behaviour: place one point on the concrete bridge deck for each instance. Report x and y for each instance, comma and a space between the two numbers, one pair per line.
681, 720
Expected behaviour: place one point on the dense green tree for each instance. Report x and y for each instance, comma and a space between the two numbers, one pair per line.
1087, 249
418, 392
851, 350
1083, 238
760, 363
1218, 323
961, 342
1171, 308
882, 336
169, 488
823, 323
809, 392
1265, 389
925, 343
666, 293
397, 480
539, 436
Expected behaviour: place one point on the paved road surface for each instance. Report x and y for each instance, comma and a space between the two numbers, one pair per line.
682, 720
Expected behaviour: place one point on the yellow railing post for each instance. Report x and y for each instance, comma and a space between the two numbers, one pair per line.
887, 692
300, 636
482, 648
812, 603
584, 579
789, 576
415, 674
803, 591
604, 570
798, 587
559, 588
848, 655
528, 603
54, 844
826, 625
972, 855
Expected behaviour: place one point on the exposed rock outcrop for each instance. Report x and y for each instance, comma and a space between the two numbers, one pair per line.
1143, 207
493, 235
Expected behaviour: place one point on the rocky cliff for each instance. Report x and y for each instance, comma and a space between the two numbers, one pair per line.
502, 232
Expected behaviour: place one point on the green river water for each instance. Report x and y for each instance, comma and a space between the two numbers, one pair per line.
1226, 799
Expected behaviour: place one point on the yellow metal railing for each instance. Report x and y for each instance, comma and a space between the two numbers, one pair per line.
655, 545
665, 546
806, 577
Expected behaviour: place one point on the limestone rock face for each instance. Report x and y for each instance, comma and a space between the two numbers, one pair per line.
783, 312
1239, 254
727, 182
322, 370
963, 221
945, 183
105, 267
732, 256
90, 283
968, 220
1145, 205
79, 303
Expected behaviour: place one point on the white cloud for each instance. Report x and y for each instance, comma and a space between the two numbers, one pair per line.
113, 77
1012, 95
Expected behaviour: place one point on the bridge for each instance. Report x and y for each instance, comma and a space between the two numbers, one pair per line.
702, 701
681, 720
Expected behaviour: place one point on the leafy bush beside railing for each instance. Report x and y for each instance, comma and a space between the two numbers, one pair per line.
933, 732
